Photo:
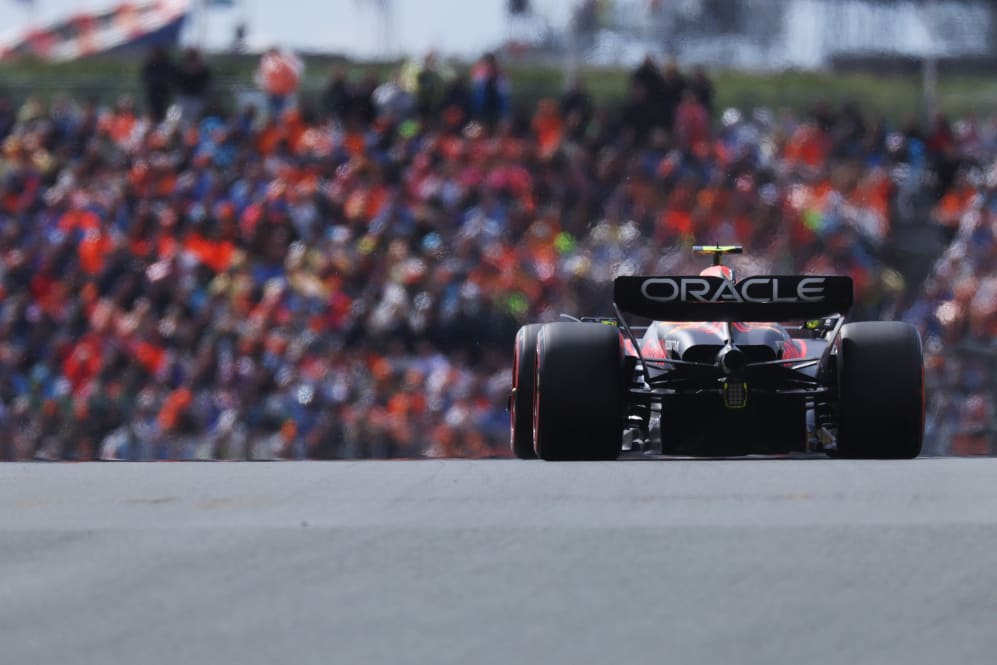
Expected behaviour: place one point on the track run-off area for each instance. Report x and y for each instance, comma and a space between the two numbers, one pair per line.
499, 561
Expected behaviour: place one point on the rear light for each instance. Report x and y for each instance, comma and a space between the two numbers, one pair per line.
735, 394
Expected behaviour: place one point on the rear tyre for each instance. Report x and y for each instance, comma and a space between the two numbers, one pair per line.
523, 378
578, 407
880, 391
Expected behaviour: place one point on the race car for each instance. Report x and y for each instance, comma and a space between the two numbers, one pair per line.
714, 373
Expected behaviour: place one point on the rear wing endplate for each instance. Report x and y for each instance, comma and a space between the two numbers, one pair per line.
756, 298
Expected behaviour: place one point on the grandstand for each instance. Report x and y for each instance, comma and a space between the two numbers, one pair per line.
342, 276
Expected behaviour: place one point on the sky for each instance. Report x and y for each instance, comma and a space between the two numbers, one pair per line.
463, 27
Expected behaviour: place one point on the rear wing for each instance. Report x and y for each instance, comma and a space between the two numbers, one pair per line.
757, 298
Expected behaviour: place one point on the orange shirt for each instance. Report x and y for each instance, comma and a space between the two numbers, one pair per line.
92, 251
807, 146
217, 255
279, 73
549, 128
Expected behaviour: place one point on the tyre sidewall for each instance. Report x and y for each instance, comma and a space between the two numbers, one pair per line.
523, 379
880, 391
578, 407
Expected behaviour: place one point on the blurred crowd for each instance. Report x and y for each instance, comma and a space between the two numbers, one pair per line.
345, 280
956, 310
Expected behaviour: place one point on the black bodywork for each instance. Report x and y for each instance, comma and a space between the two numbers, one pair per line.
714, 374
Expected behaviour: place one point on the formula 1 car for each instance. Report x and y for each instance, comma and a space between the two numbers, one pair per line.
713, 376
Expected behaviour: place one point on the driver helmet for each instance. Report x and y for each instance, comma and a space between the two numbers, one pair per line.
718, 271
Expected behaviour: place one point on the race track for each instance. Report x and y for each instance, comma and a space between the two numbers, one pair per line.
504, 562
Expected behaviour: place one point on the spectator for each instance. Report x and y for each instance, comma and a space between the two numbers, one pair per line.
941, 148
673, 86
363, 110
193, 82
457, 100
278, 75
638, 117
577, 108
394, 104
548, 127
426, 82
158, 78
651, 82
850, 133
702, 87
336, 97
490, 93
692, 125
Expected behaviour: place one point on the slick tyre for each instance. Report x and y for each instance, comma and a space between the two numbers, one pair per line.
523, 389
578, 407
880, 391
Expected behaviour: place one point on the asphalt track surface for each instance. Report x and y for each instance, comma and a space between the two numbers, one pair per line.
438, 562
